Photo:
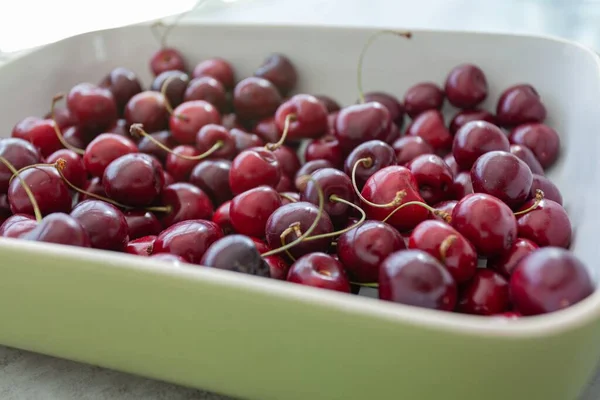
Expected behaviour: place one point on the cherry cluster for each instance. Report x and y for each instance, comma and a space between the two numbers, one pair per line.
204, 169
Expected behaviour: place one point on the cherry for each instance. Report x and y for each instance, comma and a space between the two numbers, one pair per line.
260, 244
325, 148
208, 89
123, 84
433, 177
141, 223
415, 278
361, 250
547, 280
103, 150
245, 140
141, 246
506, 262
210, 135
76, 137
486, 222
393, 105
546, 225
551, 192
422, 97
94, 107
307, 170
19, 153
520, 104
528, 157
379, 155
167, 59
59, 228
289, 197
235, 253
409, 147
267, 130
188, 239
252, 168
466, 86
335, 185
104, 223
474, 139
445, 206
464, 116
502, 175
250, 210
4, 207
49, 190
319, 270
462, 185
329, 103
543, 141
451, 163
149, 109
147, 145
222, 218
212, 176
288, 160
17, 225
120, 128
40, 133
168, 178
279, 70
431, 127
231, 121
172, 84
306, 116
62, 117
179, 164
94, 187
186, 202
360, 123
218, 69
189, 117
74, 170
485, 294
255, 99
278, 268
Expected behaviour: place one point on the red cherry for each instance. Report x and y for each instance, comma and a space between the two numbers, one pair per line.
278, 268
485, 294
288, 160
462, 185
148, 146
267, 130
433, 177
188, 239
207, 89
59, 228
167, 59
466, 86
245, 140
329, 103
209, 135
40, 133
477, 138
250, 210
431, 127
212, 176
142, 223
149, 109
93, 107
422, 97
93, 186
506, 262
307, 170
176, 84
104, 223
393, 105
445, 206
17, 225
179, 167
289, 197
307, 117
48, 188
63, 117
120, 128
546, 225
186, 201
255, 99
134, 180
464, 116
360, 123
285, 184
543, 141
19, 153
279, 70
141, 246
261, 245
409, 147
189, 117
123, 84
520, 104
528, 157
380, 154
252, 168
217, 68
103, 150
76, 137
551, 192
451, 163
326, 148
319, 270
74, 170
332, 182
235, 253
222, 218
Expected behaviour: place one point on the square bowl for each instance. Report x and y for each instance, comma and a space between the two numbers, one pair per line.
255, 338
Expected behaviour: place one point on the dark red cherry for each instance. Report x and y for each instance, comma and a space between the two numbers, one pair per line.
433, 177
103, 150
362, 250
186, 201
59, 228
142, 223
17, 225
285, 184
307, 170
63, 117
235, 253
477, 138
422, 97
255, 98
309, 117
319, 270
464, 116
189, 117
105, 224
120, 128
209, 135
231, 121
4, 207
381, 155
93, 186
279, 70
222, 218
506, 262
245, 140
462, 185
250, 210
177, 85
332, 183
141, 246
123, 84
485, 294
451, 163
542, 140
76, 137
551, 192
331, 104
288, 160
252, 168
409, 147
188, 239
167, 59
146, 145
325, 148
547, 280
360, 123
260, 244
286, 196
278, 267
546, 225
48, 188
212, 176
415, 278
445, 206
181, 168
393, 105
207, 89
466, 86
74, 169
528, 157
520, 104
267, 130
94, 107
431, 127
218, 69
502, 175
486, 222
134, 179
40, 133
148, 108
19, 153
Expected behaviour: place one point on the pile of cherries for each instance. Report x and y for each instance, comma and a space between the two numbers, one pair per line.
204, 169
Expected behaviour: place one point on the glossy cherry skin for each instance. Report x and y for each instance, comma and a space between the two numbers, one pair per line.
332, 182
485, 294
278, 267
208, 89
506, 262
542, 140
319, 270
288, 160
255, 98
462, 185
393, 105
474, 139
145, 145
551, 192
48, 188
209, 135
19, 153
188, 239
74, 169
360, 123
431, 127
546, 225
250, 210
466, 86
362, 250
92, 106
331, 104
186, 201
304, 214
176, 87
325, 148
222, 218
235, 253
181, 168
433, 177
547, 280
134, 179
148, 108
93, 186
382, 188
451, 163
212, 176
502, 175
123, 83
76, 137
17, 225
309, 117
141, 246
422, 97
245, 140
486, 222
446, 206
464, 116
62, 116
104, 223
382, 155
267, 130
167, 59
415, 278
59, 228
279, 70
40, 133
307, 170
103, 150
528, 157
520, 104
409, 147
218, 69
189, 117
252, 168
142, 223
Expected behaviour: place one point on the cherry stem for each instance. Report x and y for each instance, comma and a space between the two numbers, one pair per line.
443, 214
362, 219
367, 162
363, 52
306, 234
34, 203
163, 91
59, 134
539, 196
138, 129
445, 246
162, 39
286, 127
371, 285
295, 227
288, 197
28, 167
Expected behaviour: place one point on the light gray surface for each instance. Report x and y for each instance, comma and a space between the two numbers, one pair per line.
25, 375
